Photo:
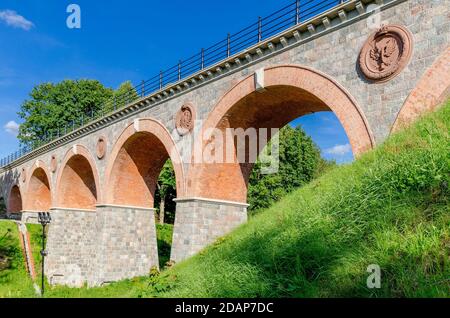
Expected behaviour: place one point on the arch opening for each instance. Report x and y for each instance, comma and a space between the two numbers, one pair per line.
136, 170
77, 184
290, 92
15, 200
136, 163
145, 171
39, 194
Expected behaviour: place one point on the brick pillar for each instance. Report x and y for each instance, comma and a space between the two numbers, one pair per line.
127, 243
200, 221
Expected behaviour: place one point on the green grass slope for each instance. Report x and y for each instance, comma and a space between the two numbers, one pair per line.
390, 207
14, 279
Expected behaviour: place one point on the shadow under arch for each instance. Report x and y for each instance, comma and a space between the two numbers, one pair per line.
136, 161
38, 190
77, 185
290, 91
14, 200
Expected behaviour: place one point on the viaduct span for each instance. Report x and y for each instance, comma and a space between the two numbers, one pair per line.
377, 64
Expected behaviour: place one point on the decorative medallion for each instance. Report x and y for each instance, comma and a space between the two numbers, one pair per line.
53, 164
101, 147
23, 175
185, 118
386, 53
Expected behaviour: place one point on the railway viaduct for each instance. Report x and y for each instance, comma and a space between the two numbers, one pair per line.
99, 180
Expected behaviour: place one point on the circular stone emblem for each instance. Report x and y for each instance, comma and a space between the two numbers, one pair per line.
23, 175
386, 53
101, 147
53, 164
185, 119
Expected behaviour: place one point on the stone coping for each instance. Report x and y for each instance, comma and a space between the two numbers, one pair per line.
125, 206
73, 209
208, 200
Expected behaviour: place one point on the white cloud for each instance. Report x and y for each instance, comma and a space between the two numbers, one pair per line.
12, 128
339, 150
12, 18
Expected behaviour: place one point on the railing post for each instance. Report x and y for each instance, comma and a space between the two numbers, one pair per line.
228, 45
297, 11
203, 59
160, 79
142, 88
259, 29
179, 70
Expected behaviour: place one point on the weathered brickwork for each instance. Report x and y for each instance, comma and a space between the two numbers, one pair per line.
316, 73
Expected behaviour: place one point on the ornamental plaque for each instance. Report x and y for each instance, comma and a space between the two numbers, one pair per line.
101, 147
23, 175
184, 120
386, 53
53, 164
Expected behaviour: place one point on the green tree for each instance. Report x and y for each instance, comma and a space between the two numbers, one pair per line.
166, 190
300, 162
53, 108
122, 96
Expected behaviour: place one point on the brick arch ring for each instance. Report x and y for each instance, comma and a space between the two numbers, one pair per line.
28, 197
76, 150
322, 86
160, 132
432, 89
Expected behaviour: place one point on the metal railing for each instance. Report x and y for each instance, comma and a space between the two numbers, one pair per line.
292, 14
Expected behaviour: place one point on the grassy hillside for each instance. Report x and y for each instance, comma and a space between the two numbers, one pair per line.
14, 279
390, 207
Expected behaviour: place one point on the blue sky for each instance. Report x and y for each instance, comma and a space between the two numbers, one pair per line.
119, 41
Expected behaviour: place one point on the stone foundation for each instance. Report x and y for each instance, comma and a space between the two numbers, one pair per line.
71, 247
199, 222
95, 247
127, 245
29, 217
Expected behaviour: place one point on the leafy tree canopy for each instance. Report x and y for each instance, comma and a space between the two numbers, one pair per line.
300, 162
53, 108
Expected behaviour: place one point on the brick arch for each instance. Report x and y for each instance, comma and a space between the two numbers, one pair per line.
38, 194
136, 161
290, 92
14, 200
77, 185
432, 89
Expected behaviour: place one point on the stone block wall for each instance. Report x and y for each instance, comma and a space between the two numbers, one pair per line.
96, 247
71, 247
126, 242
199, 222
